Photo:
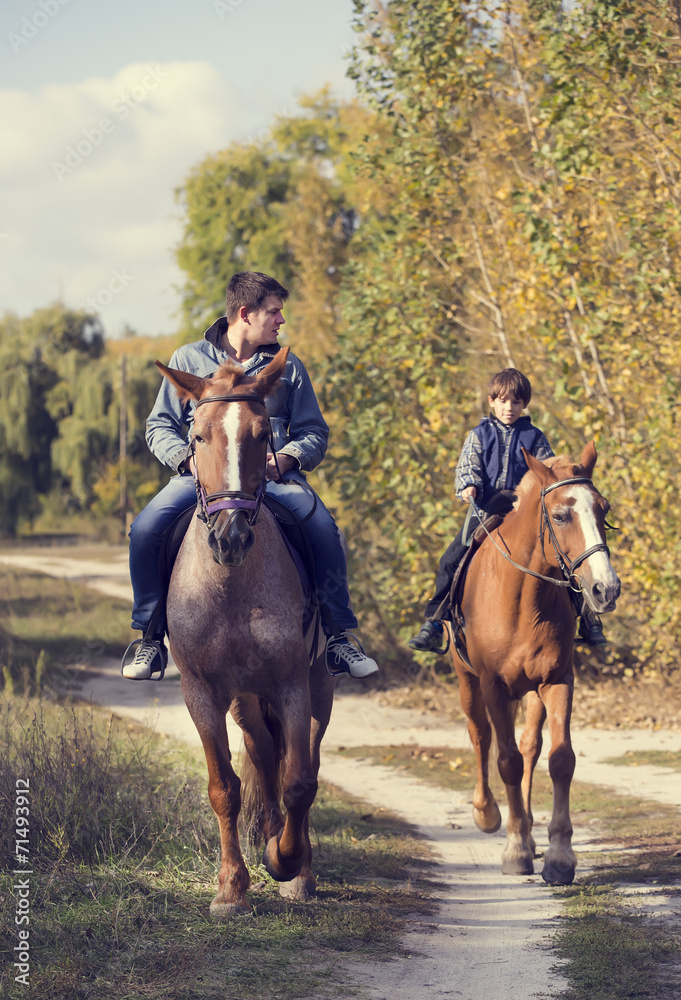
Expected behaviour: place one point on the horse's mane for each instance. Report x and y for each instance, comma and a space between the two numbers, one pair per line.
563, 467
230, 375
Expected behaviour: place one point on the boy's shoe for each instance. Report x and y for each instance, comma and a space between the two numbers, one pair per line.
590, 628
150, 658
429, 639
345, 655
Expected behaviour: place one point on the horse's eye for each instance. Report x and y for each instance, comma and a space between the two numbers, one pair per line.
198, 439
560, 518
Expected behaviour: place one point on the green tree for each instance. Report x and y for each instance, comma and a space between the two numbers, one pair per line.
283, 204
29, 350
60, 418
524, 211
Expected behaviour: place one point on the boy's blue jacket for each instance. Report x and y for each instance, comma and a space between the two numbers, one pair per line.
298, 427
491, 458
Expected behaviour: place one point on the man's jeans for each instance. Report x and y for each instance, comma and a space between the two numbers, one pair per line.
148, 527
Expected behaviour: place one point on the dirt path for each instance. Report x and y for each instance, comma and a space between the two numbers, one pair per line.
491, 934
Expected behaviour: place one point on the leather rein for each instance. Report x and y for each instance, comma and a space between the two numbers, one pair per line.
210, 504
567, 565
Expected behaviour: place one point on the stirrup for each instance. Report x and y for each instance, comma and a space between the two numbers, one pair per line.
431, 649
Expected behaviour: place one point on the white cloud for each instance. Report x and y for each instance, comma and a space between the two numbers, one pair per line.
86, 185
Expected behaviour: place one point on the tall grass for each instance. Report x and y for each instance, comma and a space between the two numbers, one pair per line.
124, 862
97, 788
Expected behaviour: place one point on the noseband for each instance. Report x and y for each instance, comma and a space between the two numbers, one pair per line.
212, 503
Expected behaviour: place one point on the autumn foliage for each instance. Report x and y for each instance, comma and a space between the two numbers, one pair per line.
505, 190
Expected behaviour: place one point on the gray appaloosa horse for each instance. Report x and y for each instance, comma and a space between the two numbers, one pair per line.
235, 627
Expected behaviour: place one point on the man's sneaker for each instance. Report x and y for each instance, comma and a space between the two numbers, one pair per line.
429, 639
344, 655
150, 658
590, 628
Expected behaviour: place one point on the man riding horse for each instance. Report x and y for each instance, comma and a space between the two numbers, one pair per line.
247, 334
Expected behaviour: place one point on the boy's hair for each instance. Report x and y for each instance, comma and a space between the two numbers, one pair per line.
250, 289
510, 382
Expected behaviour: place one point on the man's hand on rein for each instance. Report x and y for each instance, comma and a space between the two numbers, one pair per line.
285, 462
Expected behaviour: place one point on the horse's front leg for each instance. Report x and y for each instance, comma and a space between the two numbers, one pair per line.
519, 850
304, 885
485, 809
560, 861
262, 745
224, 794
530, 748
286, 852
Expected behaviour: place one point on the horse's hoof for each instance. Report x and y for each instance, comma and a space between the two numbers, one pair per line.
220, 910
487, 821
517, 866
555, 874
275, 865
300, 889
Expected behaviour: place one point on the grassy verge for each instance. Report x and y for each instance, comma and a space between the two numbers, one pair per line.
608, 949
124, 858
656, 758
611, 952
47, 624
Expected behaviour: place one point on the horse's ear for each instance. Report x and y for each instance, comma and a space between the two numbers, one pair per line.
537, 466
188, 386
268, 377
588, 459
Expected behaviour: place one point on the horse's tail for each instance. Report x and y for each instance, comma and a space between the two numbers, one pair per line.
252, 805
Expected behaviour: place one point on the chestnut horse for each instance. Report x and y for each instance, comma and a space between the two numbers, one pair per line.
519, 636
234, 614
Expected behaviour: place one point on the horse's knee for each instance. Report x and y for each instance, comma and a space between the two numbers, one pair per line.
225, 796
300, 794
530, 745
562, 762
510, 764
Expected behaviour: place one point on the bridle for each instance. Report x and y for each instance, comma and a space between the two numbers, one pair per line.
567, 565
209, 505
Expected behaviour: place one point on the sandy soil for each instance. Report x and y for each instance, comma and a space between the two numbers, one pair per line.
491, 934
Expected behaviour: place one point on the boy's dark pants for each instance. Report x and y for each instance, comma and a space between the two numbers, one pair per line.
499, 503
445, 574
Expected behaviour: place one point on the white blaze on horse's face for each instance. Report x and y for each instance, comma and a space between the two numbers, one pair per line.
230, 424
599, 581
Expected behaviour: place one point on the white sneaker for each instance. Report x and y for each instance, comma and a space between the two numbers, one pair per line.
150, 658
344, 655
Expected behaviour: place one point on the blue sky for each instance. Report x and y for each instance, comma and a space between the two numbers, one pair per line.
105, 107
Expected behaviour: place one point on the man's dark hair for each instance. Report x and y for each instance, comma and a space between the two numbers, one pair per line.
510, 382
250, 289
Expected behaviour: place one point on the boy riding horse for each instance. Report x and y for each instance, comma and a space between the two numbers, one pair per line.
490, 467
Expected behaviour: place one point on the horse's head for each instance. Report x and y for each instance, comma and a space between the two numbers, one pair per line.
574, 514
230, 435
